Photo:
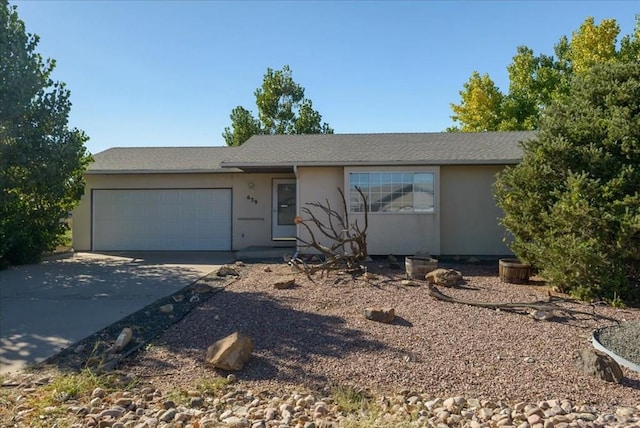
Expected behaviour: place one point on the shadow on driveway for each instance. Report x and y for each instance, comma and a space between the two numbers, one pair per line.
46, 307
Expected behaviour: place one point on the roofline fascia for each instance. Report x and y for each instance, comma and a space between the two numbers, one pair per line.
160, 171
370, 163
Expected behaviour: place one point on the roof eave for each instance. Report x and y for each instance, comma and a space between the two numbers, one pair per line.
160, 171
275, 165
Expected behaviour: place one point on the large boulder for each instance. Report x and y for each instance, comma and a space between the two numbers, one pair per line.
592, 362
230, 353
444, 277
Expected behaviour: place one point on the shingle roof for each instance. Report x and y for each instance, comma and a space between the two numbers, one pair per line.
285, 151
122, 160
370, 149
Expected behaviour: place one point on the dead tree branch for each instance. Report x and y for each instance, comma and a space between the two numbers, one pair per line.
347, 246
550, 305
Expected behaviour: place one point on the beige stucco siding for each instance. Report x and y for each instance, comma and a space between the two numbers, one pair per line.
253, 210
464, 221
469, 215
318, 184
251, 221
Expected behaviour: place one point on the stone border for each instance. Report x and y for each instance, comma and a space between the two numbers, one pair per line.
83, 353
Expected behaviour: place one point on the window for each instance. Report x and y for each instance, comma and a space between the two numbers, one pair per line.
389, 192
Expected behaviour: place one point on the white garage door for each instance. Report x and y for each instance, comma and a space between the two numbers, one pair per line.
163, 219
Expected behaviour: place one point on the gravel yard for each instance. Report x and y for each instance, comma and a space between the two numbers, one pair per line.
315, 335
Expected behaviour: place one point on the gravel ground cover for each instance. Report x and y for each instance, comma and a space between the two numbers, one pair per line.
315, 335
318, 362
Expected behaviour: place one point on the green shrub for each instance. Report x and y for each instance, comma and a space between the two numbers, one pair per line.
572, 205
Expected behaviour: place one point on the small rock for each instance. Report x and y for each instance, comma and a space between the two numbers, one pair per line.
454, 404
268, 269
586, 416
529, 360
236, 422
534, 419
114, 412
625, 412
168, 415
384, 315
166, 309
196, 402
124, 401
409, 283
226, 414
178, 298
542, 315
123, 339
240, 263
285, 284
98, 392
194, 299
227, 271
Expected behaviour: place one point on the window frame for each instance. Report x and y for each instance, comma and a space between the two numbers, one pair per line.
386, 180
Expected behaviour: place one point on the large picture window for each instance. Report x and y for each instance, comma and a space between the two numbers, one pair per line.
389, 192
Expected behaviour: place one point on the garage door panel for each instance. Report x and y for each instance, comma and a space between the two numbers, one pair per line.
162, 219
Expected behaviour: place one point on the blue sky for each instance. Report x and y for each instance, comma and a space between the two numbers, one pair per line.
168, 73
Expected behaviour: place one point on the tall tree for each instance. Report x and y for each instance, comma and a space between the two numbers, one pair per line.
282, 109
593, 44
535, 81
480, 107
41, 160
573, 204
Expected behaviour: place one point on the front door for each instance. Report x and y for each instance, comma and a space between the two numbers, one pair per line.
284, 209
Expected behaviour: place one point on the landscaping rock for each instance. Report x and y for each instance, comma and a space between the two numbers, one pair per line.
598, 364
285, 284
539, 315
123, 339
227, 271
230, 353
444, 277
166, 309
384, 315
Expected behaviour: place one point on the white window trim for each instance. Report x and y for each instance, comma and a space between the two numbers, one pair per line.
435, 170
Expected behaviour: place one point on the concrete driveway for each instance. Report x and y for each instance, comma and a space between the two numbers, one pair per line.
46, 307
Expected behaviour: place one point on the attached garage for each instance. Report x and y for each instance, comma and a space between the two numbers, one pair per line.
161, 219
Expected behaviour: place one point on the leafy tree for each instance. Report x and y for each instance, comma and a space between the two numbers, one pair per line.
282, 109
573, 204
480, 107
41, 159
535, 81
244, 126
